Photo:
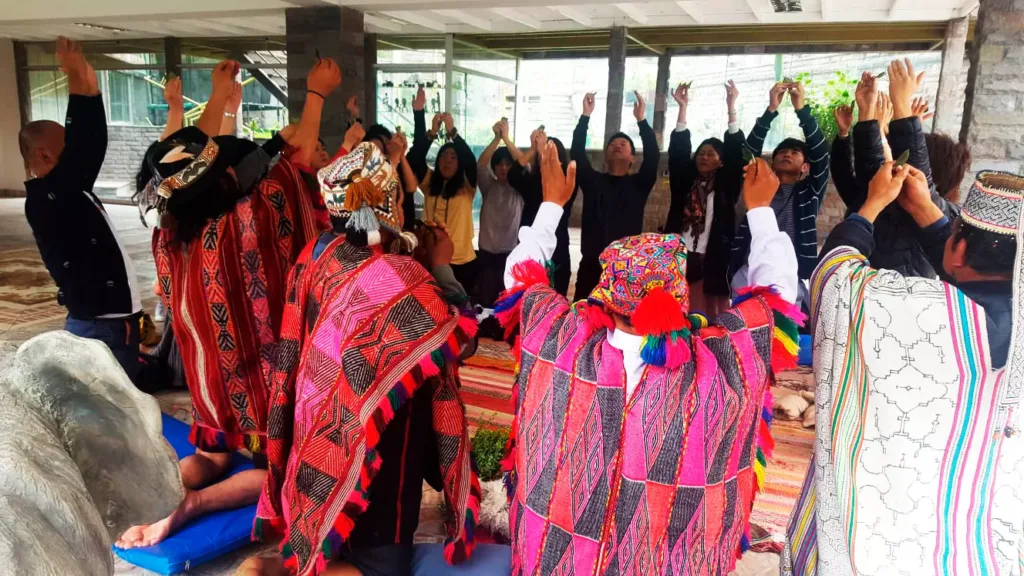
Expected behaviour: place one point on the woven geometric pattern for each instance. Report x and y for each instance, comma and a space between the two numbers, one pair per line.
634, 266
917, 468
994, 202
661, 482
339, 376
365, 163
226, 292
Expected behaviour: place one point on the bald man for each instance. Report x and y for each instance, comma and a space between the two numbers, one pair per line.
95, 278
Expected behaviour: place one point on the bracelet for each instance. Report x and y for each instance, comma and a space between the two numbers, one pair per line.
322, 97
229, 114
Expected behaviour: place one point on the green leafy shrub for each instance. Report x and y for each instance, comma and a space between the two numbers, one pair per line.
488, 446
824, 97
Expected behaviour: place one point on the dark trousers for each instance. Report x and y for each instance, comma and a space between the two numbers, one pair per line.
490, 279
121, 335
587, 278
466, 275
563, 268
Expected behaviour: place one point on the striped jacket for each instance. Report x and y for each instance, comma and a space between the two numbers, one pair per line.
808, 193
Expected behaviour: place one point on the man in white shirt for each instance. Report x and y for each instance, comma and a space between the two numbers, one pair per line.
643, 427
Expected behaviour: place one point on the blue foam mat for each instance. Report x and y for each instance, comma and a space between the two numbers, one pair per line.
486, 560
205, 538
806, 357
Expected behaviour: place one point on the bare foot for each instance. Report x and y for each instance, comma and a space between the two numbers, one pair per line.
151, 534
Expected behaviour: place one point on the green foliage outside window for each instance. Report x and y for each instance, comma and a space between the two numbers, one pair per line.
488, 450
824, 97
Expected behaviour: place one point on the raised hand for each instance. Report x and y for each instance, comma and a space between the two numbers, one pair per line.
449, 123
731, 94
919, 107
759, 184
223, 78
883, 189
903, 83
797, 96
234, 98
775, 95
497, 130
682, 94
81, 76
172, 93
844, 119
503, 127
353, 136
397, 147
867, 97
916, 198
324, 77
557, 187
883, 112
538, 139
352, 106
420, 101
438, 248
436, 123
639, 107
588, 104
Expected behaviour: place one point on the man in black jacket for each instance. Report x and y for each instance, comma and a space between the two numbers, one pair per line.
77, 241
613, 201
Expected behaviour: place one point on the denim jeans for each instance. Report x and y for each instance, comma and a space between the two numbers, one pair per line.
121, 335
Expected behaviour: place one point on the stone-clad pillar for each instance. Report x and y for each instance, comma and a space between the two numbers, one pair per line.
661, 91
947, 98
336, 32
994, 108
616, 83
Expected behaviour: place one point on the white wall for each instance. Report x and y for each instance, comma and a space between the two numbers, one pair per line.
12, 170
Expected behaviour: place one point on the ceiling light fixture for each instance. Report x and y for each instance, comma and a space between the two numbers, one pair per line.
100, 27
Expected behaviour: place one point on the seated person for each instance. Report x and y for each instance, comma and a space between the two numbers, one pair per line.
231, 233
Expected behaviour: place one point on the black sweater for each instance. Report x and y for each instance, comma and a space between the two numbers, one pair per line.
613, 206
74, 238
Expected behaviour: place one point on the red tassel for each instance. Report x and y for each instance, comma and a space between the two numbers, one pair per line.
658, 313
529, 272
596, 316
765, 440
782, 360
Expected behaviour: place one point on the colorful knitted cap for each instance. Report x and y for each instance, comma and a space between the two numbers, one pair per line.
643, 279
361, 193
994, 203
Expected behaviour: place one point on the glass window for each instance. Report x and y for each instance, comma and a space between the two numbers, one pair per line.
502, 67
552, 95
398, 56
118, 97
642, 77
49, 95
396, 90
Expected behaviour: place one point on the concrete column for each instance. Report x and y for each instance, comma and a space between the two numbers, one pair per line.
172, 56
12, 168
994, 108
369, 102
661, 90
947, 98
335, 32
616, 83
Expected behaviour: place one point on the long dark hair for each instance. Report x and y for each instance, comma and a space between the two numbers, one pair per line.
447, 189
715, 143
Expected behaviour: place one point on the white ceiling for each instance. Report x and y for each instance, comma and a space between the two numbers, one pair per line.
112, 19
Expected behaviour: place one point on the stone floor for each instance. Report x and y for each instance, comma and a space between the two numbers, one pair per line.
28, 307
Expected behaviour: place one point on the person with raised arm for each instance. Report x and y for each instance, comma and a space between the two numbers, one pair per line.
652, 420
231, 229
613, 200
373, 330
449, 188
705, 188
77, 241
918, 443
802, 167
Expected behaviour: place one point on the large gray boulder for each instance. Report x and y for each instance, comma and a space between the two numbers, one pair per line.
82, 458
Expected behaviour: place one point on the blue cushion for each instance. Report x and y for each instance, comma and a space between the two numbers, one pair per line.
205, 538
806, 357
486, 560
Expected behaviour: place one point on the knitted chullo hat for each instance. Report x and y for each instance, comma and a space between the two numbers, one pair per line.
996, 203
643, 279
361, 193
